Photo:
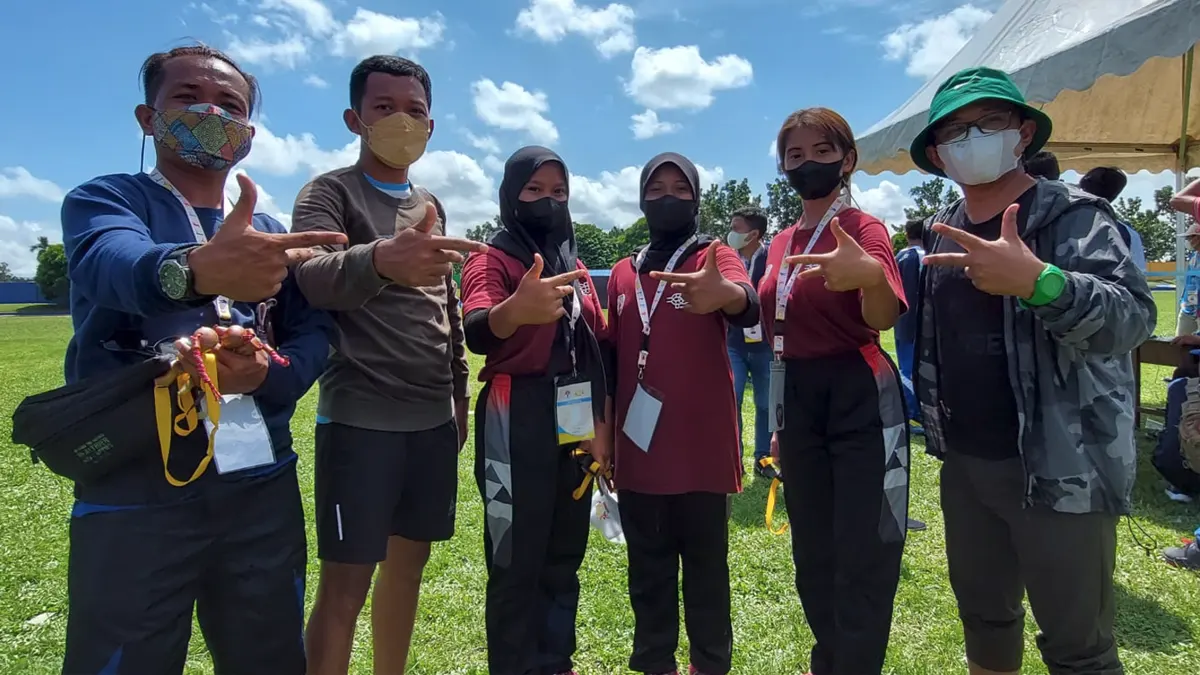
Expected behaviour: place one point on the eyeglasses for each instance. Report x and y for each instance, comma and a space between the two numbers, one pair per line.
988, 124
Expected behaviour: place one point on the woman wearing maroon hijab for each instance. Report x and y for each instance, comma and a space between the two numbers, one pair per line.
677, 451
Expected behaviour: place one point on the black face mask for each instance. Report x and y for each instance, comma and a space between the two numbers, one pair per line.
668, 215
543, 216
814, 180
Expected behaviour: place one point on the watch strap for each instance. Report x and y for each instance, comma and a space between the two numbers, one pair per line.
1048, 287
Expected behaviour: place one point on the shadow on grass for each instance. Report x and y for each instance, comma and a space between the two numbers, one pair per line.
1150, 502
33, 310
1144, 625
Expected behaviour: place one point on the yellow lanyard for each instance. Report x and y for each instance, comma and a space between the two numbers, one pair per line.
188, 420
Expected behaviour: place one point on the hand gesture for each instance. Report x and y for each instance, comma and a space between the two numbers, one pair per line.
416, 257
707, 290
238, 371
243, 264
539, 301
846, 268
1005, 266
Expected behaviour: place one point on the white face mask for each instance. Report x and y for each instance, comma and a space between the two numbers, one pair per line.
737, 240
981, 158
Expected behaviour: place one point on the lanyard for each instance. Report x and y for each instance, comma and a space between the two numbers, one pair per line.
788, 274
644, 313
573, 319
220, 303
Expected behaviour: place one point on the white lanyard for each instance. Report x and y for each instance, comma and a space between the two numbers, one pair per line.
221, 303
571, 321
788, 273
645, 313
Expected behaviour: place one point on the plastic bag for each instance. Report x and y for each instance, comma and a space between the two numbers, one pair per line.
606, 516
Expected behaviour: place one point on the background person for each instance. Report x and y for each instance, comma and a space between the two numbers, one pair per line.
677, 456
531, 309
749, 354
1031, 307
1042, 164
392, 413
1187, 202
152, 258
1107, 183
844, 441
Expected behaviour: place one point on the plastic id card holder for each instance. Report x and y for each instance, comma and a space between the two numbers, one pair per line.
243, 441
643, 417
573, 414
775, 400
753, 335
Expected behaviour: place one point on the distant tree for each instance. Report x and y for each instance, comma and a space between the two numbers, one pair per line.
784, 206
51, 276
595, 247
930, 197
626, 240
1156, 226
719, 202
899, 241
6, 273
484, 231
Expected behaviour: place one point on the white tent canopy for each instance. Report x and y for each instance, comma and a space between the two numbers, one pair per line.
1109, 73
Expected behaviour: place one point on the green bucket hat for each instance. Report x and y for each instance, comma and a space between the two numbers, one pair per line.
966, 87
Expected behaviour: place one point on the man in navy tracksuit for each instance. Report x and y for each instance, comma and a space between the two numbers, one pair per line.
151, 258
909, 261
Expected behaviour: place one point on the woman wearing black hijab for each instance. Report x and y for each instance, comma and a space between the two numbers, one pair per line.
531, 309
677, 452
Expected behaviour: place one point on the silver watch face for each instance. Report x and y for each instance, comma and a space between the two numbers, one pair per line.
173, 279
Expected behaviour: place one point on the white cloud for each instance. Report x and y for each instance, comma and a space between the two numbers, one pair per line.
265, 204
929, 45
374, 33
484, 143
287, 155
610, 29
678, 77
885, 201
316, 81
647, 125
511, 107
315, 16
16, 181
611, 199
467, 193
773, 151
493, 164
287, 53
15, 240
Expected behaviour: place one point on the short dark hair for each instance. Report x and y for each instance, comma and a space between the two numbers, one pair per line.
914, 229
389, 65
755, 217
1043, 164
1104, 181
154, 67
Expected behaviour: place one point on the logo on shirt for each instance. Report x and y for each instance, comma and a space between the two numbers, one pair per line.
676, 300
585, 287
620, 303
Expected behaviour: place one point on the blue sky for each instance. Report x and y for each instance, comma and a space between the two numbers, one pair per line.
606, 85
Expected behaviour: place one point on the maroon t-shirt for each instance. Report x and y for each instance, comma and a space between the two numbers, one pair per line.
695, 444
820, 322
487, 280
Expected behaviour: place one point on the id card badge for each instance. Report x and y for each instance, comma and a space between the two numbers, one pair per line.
573, 415
1190, 298
776, 396
753, 335
243, 441
642, 418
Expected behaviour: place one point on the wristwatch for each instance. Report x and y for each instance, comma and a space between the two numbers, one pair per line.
1049, 285
175, 277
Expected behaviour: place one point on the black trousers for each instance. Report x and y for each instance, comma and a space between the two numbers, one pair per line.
536, 532
660, 532
236, 553
844, 451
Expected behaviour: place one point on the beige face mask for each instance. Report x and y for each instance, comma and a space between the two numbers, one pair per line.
397, 140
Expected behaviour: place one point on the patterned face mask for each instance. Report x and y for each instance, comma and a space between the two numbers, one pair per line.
203, 135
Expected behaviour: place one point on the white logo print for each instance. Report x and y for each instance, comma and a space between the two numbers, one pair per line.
620, 303
585, 287
677, 301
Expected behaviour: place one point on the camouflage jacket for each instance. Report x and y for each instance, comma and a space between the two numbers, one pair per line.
1069, 361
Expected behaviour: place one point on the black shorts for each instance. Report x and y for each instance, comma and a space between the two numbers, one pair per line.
371, 485
236, 553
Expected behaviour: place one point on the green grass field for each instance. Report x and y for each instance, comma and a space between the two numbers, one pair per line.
1158, 622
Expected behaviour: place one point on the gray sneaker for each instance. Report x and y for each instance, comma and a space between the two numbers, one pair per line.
1186, 556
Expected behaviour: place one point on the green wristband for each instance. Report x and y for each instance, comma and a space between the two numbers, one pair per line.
1049, 286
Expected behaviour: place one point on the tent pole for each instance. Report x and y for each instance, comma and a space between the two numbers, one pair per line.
1181, 168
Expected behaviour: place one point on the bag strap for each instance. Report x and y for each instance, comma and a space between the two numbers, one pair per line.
188, 420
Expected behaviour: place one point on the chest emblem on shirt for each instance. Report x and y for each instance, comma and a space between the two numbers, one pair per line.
620, 303
585, 287
676, 300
